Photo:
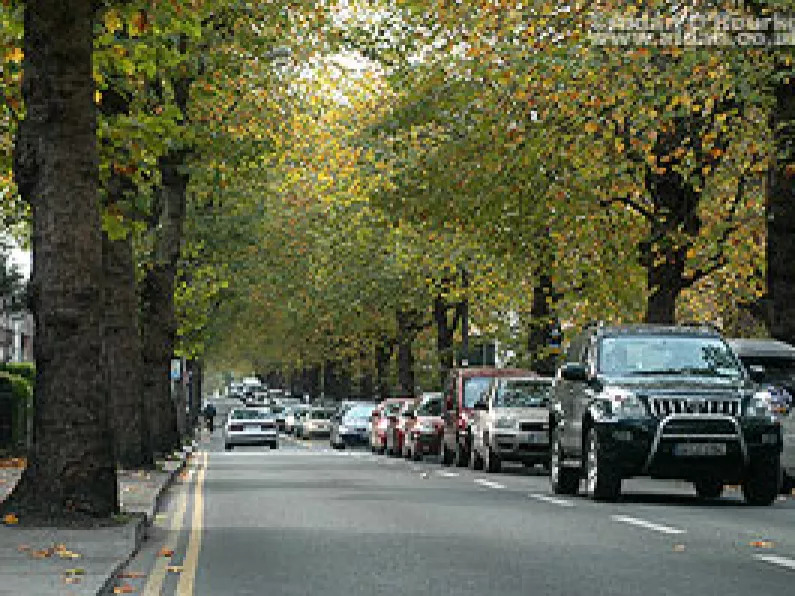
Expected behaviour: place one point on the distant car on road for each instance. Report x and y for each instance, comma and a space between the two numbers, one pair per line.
293, 417
511, 423
351, 426
250, 426
423, 432
384, 414
316, 422
771, 364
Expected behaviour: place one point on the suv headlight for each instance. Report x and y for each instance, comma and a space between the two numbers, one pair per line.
760, 405
505, 423
624, 404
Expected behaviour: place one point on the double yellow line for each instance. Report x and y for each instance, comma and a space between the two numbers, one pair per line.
185, 587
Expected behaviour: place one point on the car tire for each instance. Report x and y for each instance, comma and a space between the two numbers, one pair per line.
601, 483
491, 461
708, 489
475, 460
228, 446
274, 445
416, 455
461, 456
787, 484
763, 482
447, 456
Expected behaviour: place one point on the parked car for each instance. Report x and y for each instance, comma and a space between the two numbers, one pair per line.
771, 364
280, 414
423, 434
315, 422
250, 426
387, 409
464, 387
396, 427
292, 417
511, 423
351, 425
670, 402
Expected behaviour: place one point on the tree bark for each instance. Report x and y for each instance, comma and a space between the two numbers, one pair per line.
122, 343
444, 336
383, 354
781, 215
71, 473
542, 323
366, 382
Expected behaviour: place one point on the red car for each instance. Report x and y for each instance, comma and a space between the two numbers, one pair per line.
396, 427
387, 409
423, 434
463, 388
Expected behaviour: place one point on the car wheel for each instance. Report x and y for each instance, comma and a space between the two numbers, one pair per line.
416, 455
565, 481
763, 482
274, 445
228, 446
601, 483
447, 455
461, 456
787, 483
709, 488
475, 461
491, 461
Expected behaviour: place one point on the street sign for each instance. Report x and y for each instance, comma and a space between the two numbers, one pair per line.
176, 369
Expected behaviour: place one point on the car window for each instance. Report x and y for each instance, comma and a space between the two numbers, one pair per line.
431, 407
522, 394
320, 415
248, 414
358, 412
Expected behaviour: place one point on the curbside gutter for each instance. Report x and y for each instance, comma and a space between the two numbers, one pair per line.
140, 527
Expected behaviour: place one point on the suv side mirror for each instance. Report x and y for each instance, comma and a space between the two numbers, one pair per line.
574, 371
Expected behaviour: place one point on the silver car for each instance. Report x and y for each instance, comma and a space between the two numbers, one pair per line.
251, 426
511, 423
315, 422
771, 364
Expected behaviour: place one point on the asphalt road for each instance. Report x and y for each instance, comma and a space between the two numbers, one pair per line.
308, 520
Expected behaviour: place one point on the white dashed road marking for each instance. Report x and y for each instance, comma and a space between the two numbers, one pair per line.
488, 483
448, 474
777, 560
552, 500
642, 523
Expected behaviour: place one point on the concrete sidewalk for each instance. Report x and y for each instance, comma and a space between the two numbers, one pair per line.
66, 562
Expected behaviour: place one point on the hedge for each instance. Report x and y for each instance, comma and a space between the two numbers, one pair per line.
21, 392
26, 370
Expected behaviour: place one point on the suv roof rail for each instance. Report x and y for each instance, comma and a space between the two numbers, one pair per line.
599, 323
707, 324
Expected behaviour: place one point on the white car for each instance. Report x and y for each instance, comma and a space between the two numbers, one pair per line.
315, 422
250, 427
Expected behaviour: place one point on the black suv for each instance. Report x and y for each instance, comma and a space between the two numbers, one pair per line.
665, 402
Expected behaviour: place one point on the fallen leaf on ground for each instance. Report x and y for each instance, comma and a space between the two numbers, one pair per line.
165, 552
763, 544
123, 589
23, 548
71, 579
10, 519
41, 554
131, 574
174, 568
679, 548
76, 571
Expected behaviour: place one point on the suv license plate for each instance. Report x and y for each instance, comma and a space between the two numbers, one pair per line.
537, 438
700, 449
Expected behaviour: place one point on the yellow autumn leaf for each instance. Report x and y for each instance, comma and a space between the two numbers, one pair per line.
591, 127
16, 55
112, 21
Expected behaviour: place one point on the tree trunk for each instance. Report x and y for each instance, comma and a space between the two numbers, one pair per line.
542, 324
313, 382
444, 337
123, 356
406, 335
781, 215
383, 354
158, 319
71, 473
366, 382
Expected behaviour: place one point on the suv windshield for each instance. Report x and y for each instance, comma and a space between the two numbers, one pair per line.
667, 355
248, 414
522, 394
359, 412
473, 390
321, 415
430, 407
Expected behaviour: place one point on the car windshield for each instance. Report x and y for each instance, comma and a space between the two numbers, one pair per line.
359, 412
473, 390
522, 394
248, 414
667, 355
430, 407
320, 415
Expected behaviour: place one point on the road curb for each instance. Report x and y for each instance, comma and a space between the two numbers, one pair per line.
140, 527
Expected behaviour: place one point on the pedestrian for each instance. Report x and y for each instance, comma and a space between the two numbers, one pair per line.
209, 416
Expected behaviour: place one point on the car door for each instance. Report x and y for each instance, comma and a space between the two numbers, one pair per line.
582, 394
449, 411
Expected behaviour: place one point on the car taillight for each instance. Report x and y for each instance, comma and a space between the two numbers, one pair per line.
462, 423
236, 427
